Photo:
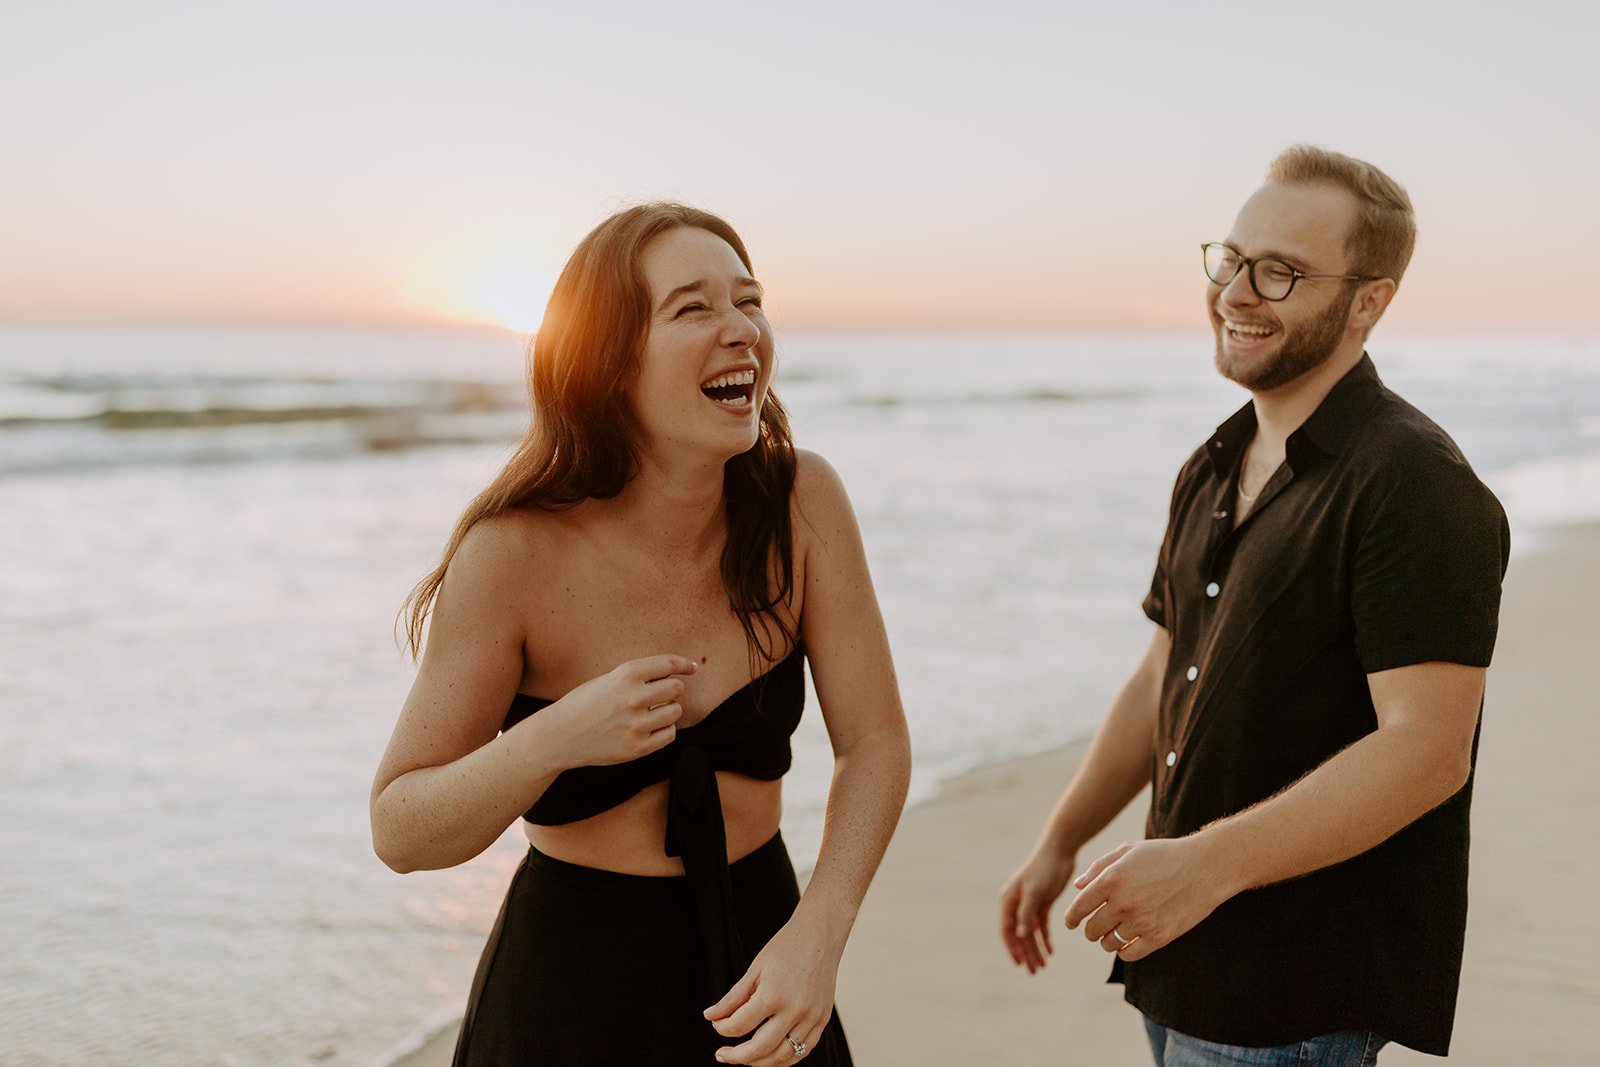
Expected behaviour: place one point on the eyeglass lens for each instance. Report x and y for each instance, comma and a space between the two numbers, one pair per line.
1271, 278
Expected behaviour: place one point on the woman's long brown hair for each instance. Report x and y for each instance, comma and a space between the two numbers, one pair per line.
580, 441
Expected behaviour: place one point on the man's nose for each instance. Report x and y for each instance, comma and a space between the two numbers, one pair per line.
1239, 292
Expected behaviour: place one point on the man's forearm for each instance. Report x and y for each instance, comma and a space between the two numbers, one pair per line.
1354, 801
1117, 764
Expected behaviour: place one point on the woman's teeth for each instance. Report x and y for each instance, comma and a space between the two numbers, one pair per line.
732, 389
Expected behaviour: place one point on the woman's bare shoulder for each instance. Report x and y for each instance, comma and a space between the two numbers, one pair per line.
509, 548
820, 501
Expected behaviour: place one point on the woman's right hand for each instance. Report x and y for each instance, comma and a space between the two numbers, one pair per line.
628, 712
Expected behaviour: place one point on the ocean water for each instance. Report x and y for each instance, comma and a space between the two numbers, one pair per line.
205, 534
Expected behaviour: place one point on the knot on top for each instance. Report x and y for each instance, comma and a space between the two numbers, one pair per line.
691, 782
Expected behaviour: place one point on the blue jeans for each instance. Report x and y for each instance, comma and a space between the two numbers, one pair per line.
1350, 1048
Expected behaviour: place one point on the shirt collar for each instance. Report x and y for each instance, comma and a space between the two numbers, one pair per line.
1229, 442
1340, 412
1328, 428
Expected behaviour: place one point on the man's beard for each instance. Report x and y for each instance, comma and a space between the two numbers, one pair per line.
1307, 348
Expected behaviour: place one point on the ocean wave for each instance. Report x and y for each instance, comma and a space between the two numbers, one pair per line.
45, 450
80, 422
116, 418
136, 398
1000, 398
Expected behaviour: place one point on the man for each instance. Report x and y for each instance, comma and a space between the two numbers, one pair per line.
1325, 604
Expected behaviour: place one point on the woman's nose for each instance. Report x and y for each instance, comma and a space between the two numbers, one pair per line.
739, 330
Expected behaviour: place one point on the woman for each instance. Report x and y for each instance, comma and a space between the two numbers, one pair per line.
658, 552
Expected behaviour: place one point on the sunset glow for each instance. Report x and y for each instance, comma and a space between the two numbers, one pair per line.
510, 295
1061, 183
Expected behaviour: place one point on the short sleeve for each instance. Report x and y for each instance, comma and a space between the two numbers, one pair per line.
1426, 572
1155, 601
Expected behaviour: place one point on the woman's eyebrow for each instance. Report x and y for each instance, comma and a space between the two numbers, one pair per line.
682, 290
696, 286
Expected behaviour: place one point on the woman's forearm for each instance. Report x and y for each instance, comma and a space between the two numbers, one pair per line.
866, 797
436, 817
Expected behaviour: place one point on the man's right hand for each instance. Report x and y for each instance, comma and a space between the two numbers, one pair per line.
1025, 907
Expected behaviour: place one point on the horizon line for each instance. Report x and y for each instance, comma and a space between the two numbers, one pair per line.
445, 325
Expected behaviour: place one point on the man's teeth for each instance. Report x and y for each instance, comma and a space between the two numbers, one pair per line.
741, 377
1247, 330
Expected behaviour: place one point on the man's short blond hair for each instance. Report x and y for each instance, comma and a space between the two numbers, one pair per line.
1385, 230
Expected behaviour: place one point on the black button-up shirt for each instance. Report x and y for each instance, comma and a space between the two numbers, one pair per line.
1374, 546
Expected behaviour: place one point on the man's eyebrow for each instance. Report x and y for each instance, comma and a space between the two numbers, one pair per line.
1298, 262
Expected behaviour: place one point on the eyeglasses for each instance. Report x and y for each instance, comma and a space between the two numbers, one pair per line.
1270, 277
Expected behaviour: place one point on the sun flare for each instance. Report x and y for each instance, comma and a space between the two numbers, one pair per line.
512, 295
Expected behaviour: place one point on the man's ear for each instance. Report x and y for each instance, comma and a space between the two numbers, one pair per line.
1372, 300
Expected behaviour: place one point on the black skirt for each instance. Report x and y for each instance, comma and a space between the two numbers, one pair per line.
593, 967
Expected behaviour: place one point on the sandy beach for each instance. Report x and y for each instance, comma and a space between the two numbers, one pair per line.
926, 982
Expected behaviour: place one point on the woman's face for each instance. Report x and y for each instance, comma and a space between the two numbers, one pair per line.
707, 357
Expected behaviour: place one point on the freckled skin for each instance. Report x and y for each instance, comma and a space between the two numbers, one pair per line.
617, 608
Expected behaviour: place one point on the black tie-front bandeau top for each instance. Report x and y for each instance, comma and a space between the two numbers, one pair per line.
747, 733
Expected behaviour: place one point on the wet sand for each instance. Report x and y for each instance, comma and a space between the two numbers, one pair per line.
926, 982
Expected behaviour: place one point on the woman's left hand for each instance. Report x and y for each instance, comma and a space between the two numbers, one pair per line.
787, 993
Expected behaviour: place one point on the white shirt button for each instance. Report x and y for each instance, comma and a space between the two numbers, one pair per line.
1213, 589
1194, 672
1172, 757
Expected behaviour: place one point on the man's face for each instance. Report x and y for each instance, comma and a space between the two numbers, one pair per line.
1265, 344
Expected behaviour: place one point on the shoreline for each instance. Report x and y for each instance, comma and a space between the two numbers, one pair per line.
926, 981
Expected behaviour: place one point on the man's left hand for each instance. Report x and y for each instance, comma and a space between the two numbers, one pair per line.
1141, 897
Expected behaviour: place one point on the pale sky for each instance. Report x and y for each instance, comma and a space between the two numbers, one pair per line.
990, 165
